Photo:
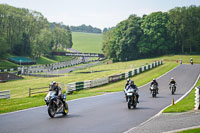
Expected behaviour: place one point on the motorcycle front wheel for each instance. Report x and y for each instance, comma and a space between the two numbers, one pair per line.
129, 103
65, 109
51, 111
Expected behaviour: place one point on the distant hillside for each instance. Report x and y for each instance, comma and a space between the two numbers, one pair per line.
85, 28
87, 42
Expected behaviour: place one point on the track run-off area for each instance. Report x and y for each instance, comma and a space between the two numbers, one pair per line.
106, 113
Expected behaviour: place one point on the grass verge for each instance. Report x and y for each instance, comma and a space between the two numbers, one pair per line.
196, 130
184, 105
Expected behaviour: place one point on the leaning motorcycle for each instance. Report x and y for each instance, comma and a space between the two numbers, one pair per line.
153, 90
55, 104
172, 88
132, 98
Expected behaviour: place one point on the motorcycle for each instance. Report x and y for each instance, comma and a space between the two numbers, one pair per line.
153, 90
132, 98
172, 88
55, 104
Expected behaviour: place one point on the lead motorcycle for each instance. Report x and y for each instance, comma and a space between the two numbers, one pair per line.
132, 98
56, 104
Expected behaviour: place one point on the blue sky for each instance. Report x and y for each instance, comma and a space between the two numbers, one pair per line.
98, 13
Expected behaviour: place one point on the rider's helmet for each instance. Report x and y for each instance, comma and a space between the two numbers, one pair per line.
128, 80
154, 79
131, 82
172, 78
52, 85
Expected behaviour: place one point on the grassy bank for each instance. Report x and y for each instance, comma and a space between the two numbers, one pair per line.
184, 105
87, 42
196, 130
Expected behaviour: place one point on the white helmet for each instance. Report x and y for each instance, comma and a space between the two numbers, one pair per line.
128, 79
172, 78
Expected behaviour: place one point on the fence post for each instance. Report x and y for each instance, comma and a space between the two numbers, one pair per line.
197, 92
29, 92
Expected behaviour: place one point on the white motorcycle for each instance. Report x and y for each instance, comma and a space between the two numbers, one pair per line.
132, 98
56, 104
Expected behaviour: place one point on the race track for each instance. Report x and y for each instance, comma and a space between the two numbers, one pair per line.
102, 114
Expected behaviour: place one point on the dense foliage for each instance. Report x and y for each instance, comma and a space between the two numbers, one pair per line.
173, 32
25, 32
84, 28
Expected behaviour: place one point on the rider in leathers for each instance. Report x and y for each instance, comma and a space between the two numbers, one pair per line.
133, 86
156, 84
172, 81
54, 87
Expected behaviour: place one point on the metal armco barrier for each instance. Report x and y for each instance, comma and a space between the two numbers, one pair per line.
197, 94
5, 94
99, 81
114, 78
75, 86
71, 87
87, 84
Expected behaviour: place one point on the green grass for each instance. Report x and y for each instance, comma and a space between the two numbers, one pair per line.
87, 42
185, 58
4, 64
196, 130
44, 60
184, 105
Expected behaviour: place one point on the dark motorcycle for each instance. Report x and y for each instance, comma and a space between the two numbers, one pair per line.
153, 90
55, 104
132, 98
172, 88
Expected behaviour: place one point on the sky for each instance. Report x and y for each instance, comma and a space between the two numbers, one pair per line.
97, 13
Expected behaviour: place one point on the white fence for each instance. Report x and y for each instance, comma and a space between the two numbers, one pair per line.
4, 94
101, 81
197, 92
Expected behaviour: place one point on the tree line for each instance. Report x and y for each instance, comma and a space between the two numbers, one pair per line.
160, 33
85, 28
25, 32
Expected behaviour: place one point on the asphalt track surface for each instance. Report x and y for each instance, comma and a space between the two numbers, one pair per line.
102, 114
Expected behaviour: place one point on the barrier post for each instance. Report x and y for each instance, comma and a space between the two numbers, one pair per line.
197, 92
